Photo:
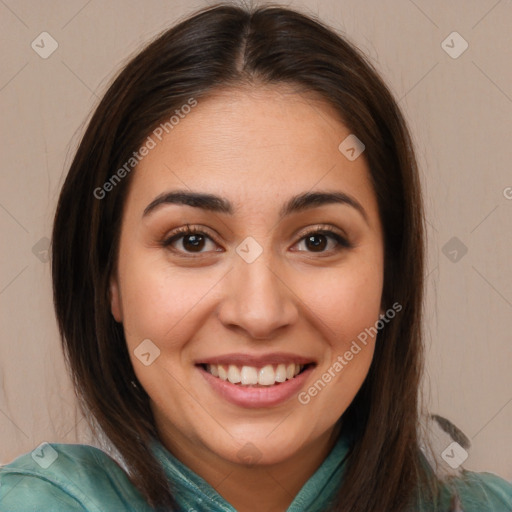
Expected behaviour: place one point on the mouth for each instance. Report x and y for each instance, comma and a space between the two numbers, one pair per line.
256, 376
260, 384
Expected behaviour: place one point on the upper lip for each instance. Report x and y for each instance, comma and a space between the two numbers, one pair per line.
239, 359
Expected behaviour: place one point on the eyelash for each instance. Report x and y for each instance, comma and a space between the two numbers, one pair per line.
342, 242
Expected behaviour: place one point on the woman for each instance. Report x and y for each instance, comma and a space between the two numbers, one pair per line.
241, 308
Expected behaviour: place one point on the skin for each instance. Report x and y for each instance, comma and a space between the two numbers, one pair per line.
256, 147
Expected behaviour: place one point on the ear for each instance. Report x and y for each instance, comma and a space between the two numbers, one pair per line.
115, 299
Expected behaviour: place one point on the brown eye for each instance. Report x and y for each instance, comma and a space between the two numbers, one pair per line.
317, 241
192, 241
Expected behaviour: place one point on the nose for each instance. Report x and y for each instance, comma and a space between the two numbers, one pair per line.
258, 299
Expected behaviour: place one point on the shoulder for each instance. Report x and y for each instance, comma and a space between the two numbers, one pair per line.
482, 491
475, 491
67, 477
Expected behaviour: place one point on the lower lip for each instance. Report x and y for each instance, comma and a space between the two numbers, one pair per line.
254, 397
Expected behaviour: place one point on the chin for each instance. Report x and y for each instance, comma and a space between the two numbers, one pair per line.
261, 446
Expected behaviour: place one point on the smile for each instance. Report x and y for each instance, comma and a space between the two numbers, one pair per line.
268, 375
256, 381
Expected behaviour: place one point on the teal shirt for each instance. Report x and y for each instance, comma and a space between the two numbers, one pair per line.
72, 478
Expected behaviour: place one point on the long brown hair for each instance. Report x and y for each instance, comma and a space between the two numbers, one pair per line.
229, 46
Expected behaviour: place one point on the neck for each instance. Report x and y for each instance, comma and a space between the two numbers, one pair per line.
270, 487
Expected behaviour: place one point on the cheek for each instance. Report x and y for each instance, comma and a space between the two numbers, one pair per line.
159, 301
162, 302
346, 299
348, 304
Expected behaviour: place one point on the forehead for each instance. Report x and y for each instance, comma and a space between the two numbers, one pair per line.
253, 145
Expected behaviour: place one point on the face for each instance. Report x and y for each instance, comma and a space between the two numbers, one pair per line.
264, 288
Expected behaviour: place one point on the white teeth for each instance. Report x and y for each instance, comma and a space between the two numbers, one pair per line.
267, 376
223, 374
281, 373
250, 376
234, 374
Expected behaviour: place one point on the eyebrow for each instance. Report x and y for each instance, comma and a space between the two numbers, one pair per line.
213, 203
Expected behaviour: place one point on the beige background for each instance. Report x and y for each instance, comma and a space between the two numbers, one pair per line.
460, 114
